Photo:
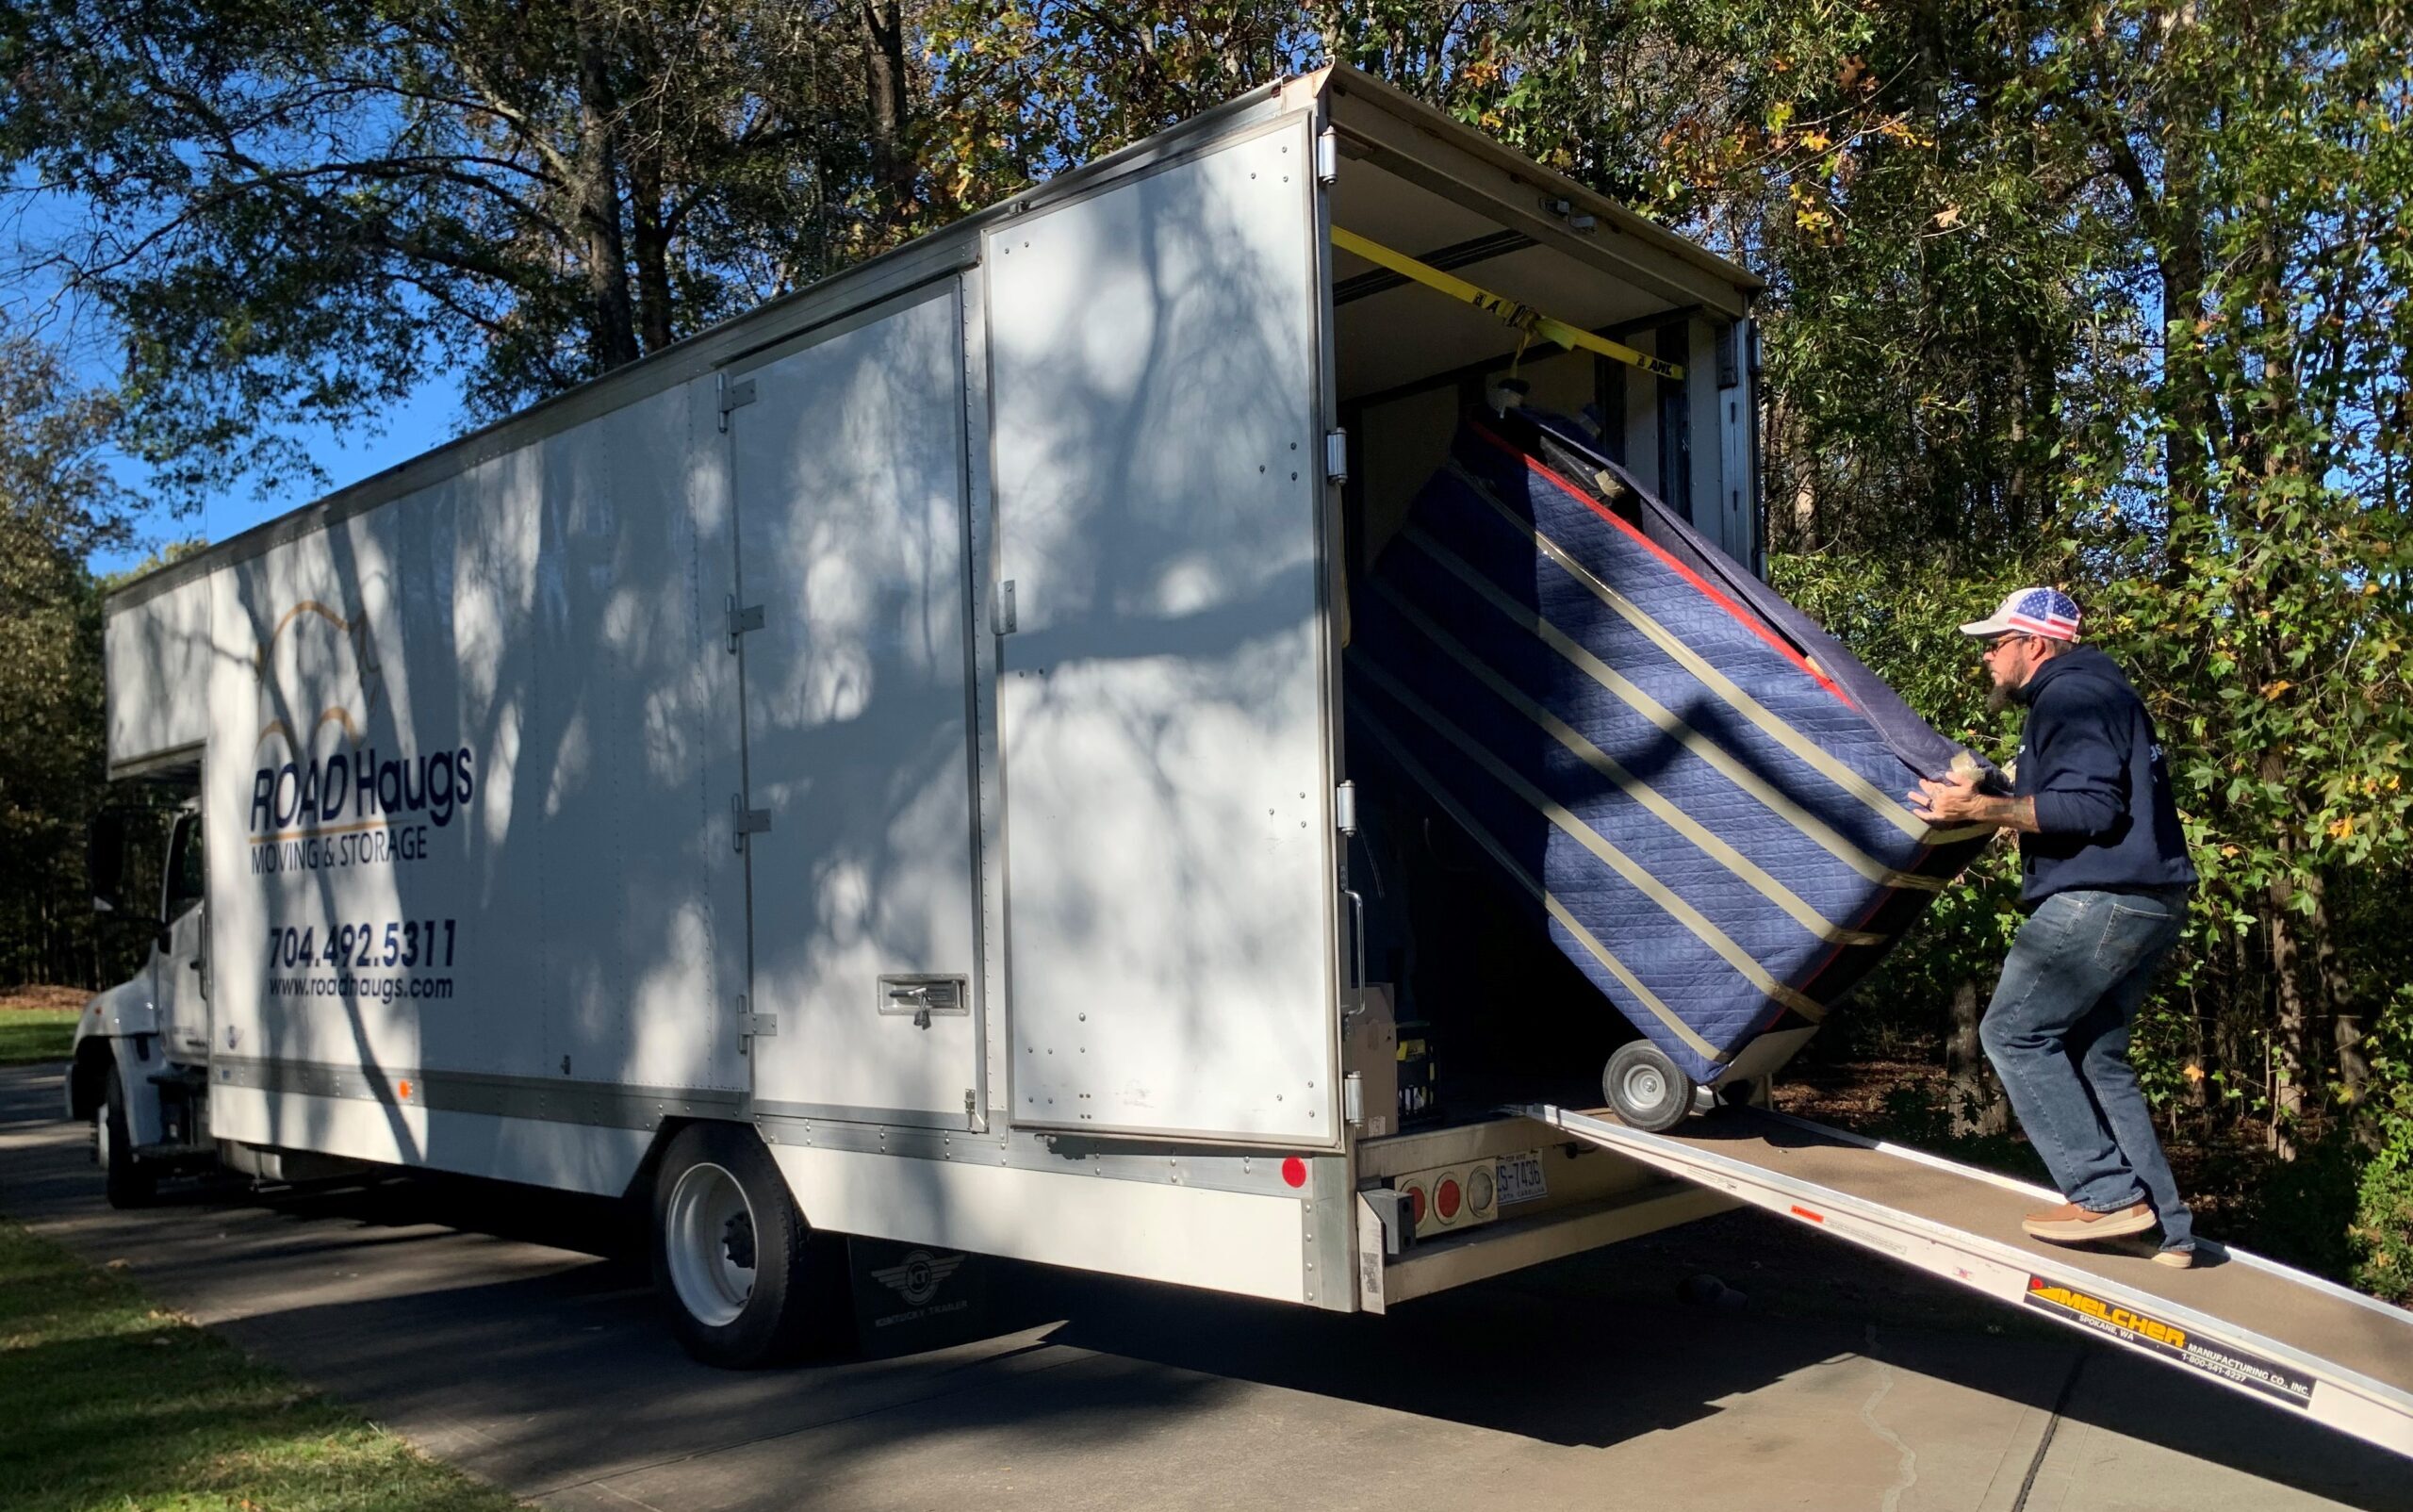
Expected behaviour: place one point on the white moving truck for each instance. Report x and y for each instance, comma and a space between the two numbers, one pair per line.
876, 767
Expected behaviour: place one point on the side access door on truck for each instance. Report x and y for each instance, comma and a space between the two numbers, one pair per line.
849, 604
1165, 671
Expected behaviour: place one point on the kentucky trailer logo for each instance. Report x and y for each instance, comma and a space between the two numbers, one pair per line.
325, 793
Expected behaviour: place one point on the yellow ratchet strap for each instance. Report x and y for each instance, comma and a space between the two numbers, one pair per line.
1523, 316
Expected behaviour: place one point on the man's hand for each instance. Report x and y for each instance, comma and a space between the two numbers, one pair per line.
1957, 801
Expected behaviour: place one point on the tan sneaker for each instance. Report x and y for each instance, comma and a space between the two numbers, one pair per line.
2177, 1260
2071, 1225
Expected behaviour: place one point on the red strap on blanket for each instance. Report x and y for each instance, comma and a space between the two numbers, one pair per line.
1742, 617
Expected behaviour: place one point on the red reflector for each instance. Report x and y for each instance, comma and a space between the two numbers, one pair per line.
1294, 1172
1799, 1211
1416, 1204
1446, 1197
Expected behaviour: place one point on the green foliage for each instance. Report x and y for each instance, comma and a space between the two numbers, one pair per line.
2180, 350
56, 506
2381, 1235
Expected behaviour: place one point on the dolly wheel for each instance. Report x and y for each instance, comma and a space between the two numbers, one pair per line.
1645, 1089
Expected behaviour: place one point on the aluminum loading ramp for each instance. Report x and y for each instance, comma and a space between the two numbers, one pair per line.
2291, 1339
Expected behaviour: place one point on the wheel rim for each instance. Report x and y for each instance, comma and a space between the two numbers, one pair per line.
709, 1238
1645, 1086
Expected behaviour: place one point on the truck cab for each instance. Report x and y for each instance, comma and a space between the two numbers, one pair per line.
140, 1070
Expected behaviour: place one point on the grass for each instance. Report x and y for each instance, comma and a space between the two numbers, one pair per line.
110, 1403
33, 1034
38, 1023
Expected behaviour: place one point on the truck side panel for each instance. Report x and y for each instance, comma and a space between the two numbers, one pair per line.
156, 666
467, 788
1254, 1244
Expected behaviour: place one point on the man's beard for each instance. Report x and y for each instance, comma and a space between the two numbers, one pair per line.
2000, 697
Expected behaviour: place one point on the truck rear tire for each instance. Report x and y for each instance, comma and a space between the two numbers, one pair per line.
745, 1283
127, 1183
1646, 1089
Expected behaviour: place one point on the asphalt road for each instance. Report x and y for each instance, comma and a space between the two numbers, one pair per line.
513, 1333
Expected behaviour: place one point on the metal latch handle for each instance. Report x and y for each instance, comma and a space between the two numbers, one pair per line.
1357, 943
919, 995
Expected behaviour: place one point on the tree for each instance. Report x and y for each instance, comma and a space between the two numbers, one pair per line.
294, 211
57, 504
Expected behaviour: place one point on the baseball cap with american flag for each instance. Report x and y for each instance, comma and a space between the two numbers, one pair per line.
2046, 612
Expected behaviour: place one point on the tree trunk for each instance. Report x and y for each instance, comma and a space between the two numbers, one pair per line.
611, 334
1979, 1106
884, 65
2291, 1016
651, 240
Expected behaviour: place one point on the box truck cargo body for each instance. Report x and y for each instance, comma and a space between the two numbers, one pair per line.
893, 741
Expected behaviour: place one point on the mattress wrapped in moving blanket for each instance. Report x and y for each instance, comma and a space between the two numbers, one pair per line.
1697, 792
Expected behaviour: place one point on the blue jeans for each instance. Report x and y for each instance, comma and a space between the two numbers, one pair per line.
2056, 1032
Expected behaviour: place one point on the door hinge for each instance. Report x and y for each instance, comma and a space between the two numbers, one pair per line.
744, 821
1329, 156
1335, 457
752, 1026
1579, 221
1344, 808
734, 396
742, 620
1005, 620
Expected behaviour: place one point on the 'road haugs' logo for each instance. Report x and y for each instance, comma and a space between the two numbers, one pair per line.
920, 1276
314, 651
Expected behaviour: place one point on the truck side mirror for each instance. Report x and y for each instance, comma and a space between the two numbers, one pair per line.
105, 858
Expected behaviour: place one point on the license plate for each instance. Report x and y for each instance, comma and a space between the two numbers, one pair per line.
1521, 1178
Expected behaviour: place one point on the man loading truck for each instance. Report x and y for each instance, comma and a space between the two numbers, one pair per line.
2105, 877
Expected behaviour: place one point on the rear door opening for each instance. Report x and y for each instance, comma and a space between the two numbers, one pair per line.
1490, 1014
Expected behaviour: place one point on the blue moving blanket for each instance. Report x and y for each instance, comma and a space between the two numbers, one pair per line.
1697, 791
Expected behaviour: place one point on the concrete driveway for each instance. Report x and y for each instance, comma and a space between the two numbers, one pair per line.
513, 1333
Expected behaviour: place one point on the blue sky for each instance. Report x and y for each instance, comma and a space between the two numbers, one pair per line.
89, 344
428, 419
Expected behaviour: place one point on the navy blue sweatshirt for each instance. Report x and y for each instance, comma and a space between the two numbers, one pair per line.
2089, 757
